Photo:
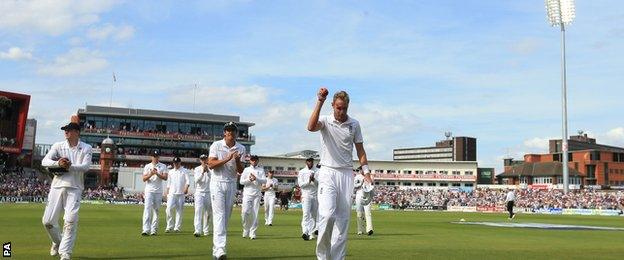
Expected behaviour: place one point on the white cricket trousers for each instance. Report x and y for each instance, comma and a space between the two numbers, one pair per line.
222, 194
269, 209
334, 198
310, 214
249, 214
203, 213
67, 200
175, 202
151, 204
363, 214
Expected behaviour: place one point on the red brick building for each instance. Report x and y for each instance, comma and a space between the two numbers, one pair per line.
589, 163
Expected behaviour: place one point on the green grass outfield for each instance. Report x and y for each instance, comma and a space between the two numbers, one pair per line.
113, 232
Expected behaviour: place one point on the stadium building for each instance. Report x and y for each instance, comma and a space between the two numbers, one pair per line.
590, 164
122, 138
453, 149
434, 175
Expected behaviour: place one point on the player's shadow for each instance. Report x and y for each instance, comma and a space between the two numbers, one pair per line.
276, 257
209, 255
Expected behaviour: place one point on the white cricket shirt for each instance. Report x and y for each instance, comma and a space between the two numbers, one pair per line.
177, 180
226, 172
202, 181
337, 141
80, 158
154, 184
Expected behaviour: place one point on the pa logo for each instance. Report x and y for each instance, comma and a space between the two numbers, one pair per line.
6, 249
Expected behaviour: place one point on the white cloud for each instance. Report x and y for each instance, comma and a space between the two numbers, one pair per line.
242, 96
52, 17
78, 61
16, 53
614, 136
118, 33
526, 46
537, 144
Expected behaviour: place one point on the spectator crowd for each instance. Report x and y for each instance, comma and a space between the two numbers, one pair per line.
21, 183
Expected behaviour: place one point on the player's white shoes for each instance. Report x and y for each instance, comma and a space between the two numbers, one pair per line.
370, 232
252, 237
312, 237
54, 249
245, 233
359, 233
65, 257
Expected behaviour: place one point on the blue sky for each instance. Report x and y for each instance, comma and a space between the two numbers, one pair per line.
414, 69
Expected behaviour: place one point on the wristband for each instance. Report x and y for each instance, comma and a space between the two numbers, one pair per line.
365, 169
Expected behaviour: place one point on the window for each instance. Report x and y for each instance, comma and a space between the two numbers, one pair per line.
456, 185
456, 173
444, 184
378, 171
279, 168
407, 184
468, 185
267, 168
418, 172
418, 184
444, 172
431, 184
390, 171
407, 172
391, 183
292, 168
468, 173
594, 156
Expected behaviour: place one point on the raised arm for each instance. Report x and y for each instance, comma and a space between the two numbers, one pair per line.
314, 124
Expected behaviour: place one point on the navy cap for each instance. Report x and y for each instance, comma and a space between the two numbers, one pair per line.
71, 126
231, 126
203, 156
154, 153
254, 157
177, 159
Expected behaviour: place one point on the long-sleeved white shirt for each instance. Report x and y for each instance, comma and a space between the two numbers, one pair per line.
154, 184
178, 180
511, 196
252, 188
202, 179
308, 189
271, 184
80, 158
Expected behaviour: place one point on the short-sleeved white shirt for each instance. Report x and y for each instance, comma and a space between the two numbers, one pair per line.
337, 140
226, 172
177, 180
202, 183
154, 184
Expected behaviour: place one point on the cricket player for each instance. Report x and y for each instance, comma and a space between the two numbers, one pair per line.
363, 197
339, 133
308, 181
154, 173
252, 178
203, 207
71, 158
177, 188
224, 159
269, 198
510, 200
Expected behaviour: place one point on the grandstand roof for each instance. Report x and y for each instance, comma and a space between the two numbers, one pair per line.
538, 169
160, 114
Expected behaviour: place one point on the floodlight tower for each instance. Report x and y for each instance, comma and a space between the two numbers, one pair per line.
561, 13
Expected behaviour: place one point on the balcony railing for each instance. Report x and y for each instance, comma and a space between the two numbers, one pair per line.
168, 136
